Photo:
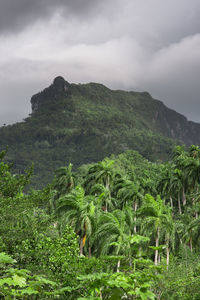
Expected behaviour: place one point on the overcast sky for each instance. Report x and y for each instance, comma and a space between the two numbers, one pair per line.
142, 45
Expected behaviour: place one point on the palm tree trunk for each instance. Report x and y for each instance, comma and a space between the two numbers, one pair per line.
159, 258
89, 252
100, 293
167, 250
171, 202
157, 244
167, 258
118, 266
135, 218
184, 198
109, 195
108, 186
196, 213
106, 207
191, 244
81, 246
179, 205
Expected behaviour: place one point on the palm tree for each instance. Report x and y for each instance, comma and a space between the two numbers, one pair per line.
114, 230
180, 160
129, 194
64, 179
189, 232
63, 183
158, 217
177, 187
102, 194
164, 184
194, 151
193, 172
77, 210
101, 172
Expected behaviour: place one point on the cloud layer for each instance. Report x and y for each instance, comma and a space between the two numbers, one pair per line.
131, 44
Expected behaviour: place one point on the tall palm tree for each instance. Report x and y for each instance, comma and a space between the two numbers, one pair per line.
189, 232
177, 187
129, 194
101, 172
103, 198
180, 159
158, 217
164, 184
193, 172
114, 230
77, 210
63, 183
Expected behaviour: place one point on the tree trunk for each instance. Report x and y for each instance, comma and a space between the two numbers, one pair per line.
108, 189
81, 246
135, 218
89, 252
184, 198
100, 293
191, 244
171, 202
118, 266
179, 205
167, 250
193, 203
159, 258
106, 207
108, 186
157, 244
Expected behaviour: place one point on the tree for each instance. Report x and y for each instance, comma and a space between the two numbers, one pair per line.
63, 183
129, 194
101, 172
113, 233
102, 196
158, 217
164, 184
77, 210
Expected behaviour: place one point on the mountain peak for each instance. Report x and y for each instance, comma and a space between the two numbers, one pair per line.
55, 91
58, 79
60, 83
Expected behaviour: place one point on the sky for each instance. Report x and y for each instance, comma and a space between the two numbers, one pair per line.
138, 45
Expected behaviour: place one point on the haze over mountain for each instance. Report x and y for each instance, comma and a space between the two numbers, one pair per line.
83, 123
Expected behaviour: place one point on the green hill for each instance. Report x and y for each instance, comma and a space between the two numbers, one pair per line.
83, 123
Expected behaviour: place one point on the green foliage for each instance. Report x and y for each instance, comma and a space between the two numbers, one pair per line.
120, 285
56, 253
20, 283
97, 239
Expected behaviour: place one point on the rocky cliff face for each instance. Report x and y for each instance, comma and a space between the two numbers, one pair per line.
54, 92
176, 126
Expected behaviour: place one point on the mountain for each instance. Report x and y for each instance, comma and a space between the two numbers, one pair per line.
83, 123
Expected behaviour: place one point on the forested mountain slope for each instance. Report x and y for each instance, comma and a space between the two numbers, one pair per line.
83, 123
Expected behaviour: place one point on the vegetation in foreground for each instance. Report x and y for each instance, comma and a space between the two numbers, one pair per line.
122, 228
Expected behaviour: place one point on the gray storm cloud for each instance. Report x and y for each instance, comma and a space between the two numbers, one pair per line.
141, 45
16, 15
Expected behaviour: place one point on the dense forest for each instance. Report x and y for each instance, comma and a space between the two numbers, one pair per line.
120, 228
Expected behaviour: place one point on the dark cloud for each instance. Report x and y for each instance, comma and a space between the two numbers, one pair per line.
16, 15
140, 45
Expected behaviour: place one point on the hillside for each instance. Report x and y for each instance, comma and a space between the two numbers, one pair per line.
83, 123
